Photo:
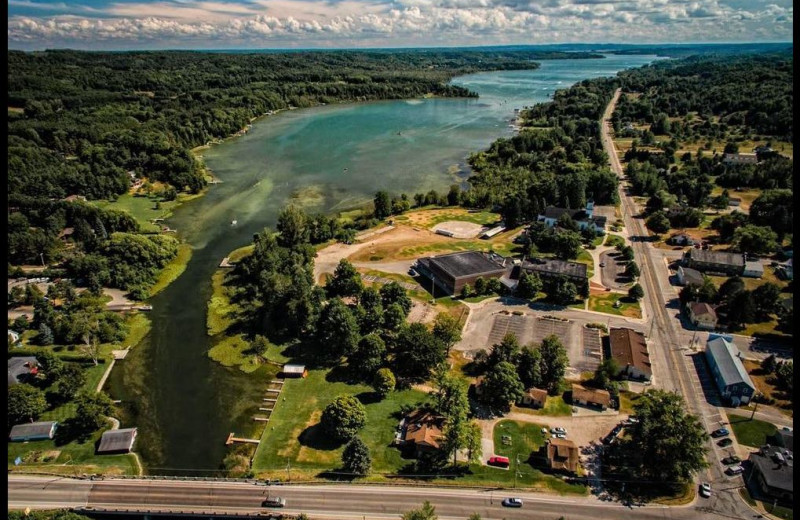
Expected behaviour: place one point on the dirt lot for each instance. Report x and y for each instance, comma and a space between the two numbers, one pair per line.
459, 229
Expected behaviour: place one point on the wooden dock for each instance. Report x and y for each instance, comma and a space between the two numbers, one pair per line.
231, 439
226, 263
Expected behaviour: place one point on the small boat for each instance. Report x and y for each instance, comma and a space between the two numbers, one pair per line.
344, 169
234, 222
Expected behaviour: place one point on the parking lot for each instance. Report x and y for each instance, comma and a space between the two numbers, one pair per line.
583, 345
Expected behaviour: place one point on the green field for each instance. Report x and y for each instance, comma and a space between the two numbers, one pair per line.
604, 302
750, 432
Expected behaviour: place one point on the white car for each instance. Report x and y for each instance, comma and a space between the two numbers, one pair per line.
735, 470
559, 429
705, 489
561, 435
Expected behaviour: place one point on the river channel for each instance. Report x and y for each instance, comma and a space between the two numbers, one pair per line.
329, 159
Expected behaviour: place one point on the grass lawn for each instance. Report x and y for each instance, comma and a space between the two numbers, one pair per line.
586, 258
143, 208
238, 254
614, 240
293, 432
626, 400
604, 302
751, 432
512, 438
431, 216
554, 406
172, 270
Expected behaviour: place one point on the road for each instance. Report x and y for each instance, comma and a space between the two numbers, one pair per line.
322, 501
672, 364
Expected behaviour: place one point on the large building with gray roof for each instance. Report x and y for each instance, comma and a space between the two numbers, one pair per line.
451, 272
728, 371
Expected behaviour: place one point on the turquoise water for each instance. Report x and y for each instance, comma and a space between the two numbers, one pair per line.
326, 158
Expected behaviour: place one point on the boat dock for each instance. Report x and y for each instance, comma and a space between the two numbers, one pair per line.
232, 439
226, 263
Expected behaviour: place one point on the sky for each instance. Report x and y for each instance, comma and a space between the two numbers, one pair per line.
262, 24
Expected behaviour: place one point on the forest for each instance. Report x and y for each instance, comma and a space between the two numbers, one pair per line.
84, 126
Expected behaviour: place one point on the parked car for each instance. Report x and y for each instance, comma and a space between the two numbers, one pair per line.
500, 462
602, 264
724, 443
705, 489
733, 459
274, 502
561, 435
735, 470
559, 429
512, 502
720, 432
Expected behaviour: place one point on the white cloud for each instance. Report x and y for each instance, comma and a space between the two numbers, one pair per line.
264, 23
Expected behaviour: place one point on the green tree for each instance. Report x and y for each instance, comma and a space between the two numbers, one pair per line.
606, 374
292, 226
393, 317
636, 292
337, 329
371, 317
426, 512
356, 457
502, 387
368, 356
383, 205
346, 281
417, 352
447, 329
554, 363
259, 346
759, 240
529, 367
92, 410
633, 270
393, 292
70, 381
383, 382
627, 253
25, 404
769, 364
474, 446
50, 364
784, 375
44, 335
668, 444
567, 245
566, 222
466, 291
343, 417
658, 223
766, 298
507, 350
742, 309
565, 293
729, 289
529, 285
480, 286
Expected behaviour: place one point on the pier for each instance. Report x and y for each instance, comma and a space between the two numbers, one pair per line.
232, 439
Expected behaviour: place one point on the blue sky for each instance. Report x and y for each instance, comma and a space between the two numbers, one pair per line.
220, 24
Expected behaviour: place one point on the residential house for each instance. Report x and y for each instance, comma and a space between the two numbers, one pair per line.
736, 159
584, 218
727, 370
714, 261
21, 369
562, 455
590, 397
689, 276
773, 469
753, 269
117, 441
451, 272
35, 431
681, 239
534, 398
702, 315
421, 431
629, 349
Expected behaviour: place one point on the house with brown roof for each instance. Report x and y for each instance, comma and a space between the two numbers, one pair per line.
629, 349
590, 397
421, 431
702, 315
534, 398
562, 455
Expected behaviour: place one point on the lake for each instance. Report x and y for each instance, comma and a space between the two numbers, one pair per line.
328, 159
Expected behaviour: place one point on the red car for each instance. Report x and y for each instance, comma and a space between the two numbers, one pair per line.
500, 462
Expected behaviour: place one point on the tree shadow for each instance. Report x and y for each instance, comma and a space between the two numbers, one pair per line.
69, 431
340, 374
369, 397
337, 474
317, 438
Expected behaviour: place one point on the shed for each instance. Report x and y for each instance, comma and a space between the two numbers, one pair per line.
753, 269
117, 441
35, 431
294, 370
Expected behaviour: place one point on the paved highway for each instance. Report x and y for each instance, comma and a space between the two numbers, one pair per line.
331, 502
672, 361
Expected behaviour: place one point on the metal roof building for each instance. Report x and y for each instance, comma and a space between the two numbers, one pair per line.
290, 370
36, 431
117, 441
729, 374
